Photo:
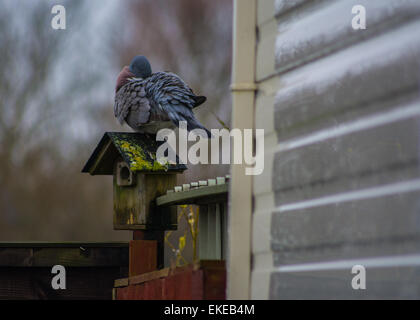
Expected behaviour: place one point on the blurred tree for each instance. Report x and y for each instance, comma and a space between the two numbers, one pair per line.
44, 196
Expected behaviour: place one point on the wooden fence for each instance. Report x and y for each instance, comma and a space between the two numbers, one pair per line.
90, 269
204, 278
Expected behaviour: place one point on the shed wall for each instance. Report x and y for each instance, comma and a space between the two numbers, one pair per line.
341, 185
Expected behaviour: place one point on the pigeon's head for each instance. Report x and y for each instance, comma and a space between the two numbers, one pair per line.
140, 67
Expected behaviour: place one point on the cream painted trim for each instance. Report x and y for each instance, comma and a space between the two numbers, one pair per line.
243, 109
243, 87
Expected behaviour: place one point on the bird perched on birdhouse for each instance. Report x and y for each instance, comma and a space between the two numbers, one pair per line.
148, 101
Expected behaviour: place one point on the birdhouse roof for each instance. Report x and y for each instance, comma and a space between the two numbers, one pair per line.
136, 149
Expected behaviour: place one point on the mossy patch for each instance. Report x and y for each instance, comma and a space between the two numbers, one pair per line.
139, 159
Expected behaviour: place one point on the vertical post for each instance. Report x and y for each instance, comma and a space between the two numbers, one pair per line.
158, 236
240, 195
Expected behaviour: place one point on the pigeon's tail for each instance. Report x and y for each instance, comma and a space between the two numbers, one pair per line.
194, 124
178, 113
199, 100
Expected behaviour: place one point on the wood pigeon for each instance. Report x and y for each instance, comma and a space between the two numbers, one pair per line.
148, 101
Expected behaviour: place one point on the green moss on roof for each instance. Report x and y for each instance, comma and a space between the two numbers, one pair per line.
138, 160
137, 150
137, 153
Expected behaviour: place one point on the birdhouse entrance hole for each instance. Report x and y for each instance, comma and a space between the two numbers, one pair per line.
125, 173
125, 176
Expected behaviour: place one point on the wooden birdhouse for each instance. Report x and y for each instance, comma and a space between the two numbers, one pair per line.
138, 178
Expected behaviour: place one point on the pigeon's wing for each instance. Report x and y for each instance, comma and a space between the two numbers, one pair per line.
174, 97
198, 100
131, 101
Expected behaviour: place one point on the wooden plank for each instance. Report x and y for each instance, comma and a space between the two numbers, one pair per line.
169, 288
212, 264
143, 257
283, 6
121, 282
77, 257
347, 221
141, 278
64, 244
122, 293
16, 256
192, 196
361, 152
148, 276
202, 264
139, 292
337, 186
340, 252
214, 284
157, 235
183, 282
197, 285
41, 256
98, 160
304, 39
311, 98
35, 283
206, 279
382, 282
153, 289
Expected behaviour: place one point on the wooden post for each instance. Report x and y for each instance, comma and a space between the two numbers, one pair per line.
158, 236
143, 257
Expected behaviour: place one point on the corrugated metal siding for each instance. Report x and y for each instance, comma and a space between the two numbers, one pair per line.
341, 110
